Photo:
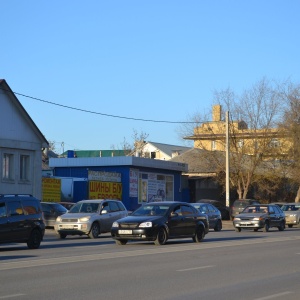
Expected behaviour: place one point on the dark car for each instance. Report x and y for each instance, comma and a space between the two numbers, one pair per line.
263, 216
21, 220
225, 211
51, 211
160, 221
214, 215
280, 204
239, 205
67, 205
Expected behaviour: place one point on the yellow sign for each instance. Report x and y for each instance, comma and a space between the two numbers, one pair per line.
51, 189
105, 190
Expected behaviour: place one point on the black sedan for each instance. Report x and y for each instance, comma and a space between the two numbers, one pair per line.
160, 221
214, 215
51, 211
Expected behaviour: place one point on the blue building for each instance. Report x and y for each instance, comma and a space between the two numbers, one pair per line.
133, 180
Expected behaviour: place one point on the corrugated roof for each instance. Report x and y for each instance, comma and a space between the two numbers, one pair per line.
200, 161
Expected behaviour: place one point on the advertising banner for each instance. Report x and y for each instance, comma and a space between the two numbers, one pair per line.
133, 182
104, 176
51, 189
105, 190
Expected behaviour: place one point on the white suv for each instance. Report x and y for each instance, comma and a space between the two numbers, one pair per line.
90, 217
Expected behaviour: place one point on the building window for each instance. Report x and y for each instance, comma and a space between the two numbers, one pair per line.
8, 166
274, 143
213, 145
153, 155
24, 167
240, 143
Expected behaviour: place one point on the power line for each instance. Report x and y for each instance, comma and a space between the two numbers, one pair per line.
98, 113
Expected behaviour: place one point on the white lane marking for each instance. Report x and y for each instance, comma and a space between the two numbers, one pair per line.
12, 296
274, 296
197, 268
132, 253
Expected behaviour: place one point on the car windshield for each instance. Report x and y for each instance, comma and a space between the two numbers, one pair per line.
256, 209
60, 208
241, 203
85, 208
151, 210
290, 207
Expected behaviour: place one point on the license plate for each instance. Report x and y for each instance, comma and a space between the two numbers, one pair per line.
125, 231
67, 226
245, 223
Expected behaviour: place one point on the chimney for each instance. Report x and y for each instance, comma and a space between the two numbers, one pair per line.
217, 113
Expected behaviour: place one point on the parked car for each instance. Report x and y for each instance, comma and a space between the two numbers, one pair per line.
292, 213
160, 221
225, 211
21, 220
67, 205
280, 204
239, 205
90, 217
51, 211
260, 216
214, 215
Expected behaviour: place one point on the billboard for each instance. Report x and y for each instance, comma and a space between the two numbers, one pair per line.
51, 189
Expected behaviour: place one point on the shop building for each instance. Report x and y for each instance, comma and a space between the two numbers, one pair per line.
133, 180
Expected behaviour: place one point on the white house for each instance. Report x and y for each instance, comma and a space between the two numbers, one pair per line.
21, 146
160, 151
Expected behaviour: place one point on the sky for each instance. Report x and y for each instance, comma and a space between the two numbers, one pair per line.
89, 73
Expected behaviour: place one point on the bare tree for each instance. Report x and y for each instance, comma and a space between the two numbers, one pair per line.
254, 136
291, 124
136, 145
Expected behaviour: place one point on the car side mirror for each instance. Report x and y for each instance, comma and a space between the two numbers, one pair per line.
103, 211
174, 214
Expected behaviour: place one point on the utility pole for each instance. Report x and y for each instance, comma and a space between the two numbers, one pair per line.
227, 161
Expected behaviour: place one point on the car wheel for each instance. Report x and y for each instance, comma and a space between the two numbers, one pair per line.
266, 227
62, 235
281, 227
94, 232
121, 242
237, 229
34, 240
161, 237
199, 236
218, 226
290, 225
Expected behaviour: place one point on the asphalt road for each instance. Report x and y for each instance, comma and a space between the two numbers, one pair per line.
227, 265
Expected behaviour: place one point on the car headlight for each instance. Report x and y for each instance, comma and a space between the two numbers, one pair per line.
237, 219
115, 224
258, 219
58, 219
84, 219
145, 224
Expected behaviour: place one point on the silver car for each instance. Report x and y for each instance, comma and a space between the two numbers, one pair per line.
90, 217
292, 213
262, 216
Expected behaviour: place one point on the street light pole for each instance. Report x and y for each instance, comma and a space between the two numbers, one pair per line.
227, 160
